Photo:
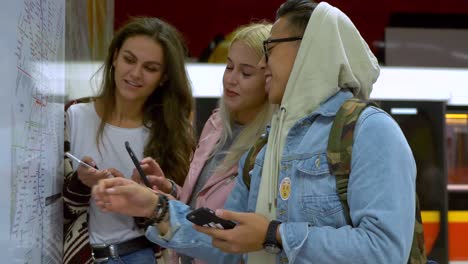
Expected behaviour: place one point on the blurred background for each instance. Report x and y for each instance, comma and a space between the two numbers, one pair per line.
52, 51
421, 45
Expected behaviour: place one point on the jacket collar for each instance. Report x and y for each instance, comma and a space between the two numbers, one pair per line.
331, 106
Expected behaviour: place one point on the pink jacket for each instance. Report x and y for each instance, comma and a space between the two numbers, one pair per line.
219, 185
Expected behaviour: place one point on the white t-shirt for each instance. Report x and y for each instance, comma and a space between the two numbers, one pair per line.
83, 123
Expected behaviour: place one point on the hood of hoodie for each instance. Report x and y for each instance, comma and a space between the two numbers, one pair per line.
332, 56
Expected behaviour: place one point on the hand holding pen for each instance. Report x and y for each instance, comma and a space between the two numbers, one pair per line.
88, 172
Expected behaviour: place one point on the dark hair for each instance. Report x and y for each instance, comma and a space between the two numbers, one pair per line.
166, 112
298, 13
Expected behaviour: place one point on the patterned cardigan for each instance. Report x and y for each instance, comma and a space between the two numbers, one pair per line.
76, 197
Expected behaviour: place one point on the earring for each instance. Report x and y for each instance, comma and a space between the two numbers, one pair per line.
111, 69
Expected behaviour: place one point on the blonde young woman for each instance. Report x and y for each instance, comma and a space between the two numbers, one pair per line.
231, 130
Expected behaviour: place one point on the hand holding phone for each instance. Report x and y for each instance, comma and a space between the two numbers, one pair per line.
206, 217
137, 165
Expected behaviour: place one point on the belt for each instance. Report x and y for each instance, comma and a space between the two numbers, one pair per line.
102, 252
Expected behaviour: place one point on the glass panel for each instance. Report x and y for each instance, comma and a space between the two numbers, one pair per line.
457, 148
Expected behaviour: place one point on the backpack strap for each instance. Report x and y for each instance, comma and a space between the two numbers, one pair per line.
339, 153
250, 160
418, 249
340, 144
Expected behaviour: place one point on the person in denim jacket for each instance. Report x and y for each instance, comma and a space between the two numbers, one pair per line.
315, 60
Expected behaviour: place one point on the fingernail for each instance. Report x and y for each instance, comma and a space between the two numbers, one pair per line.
110, 190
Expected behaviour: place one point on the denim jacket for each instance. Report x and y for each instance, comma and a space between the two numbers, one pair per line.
381, 196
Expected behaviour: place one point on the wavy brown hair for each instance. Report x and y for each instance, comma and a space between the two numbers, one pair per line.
166, 112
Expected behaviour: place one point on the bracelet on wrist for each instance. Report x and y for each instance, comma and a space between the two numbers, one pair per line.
173, 191
159, 212
161, 209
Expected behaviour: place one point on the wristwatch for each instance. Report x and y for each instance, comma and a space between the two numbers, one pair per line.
271, 245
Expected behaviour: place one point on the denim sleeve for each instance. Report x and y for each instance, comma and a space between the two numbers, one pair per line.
381, 197
239, 197
186, 240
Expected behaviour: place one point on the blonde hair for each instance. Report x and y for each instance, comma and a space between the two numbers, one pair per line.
253, 36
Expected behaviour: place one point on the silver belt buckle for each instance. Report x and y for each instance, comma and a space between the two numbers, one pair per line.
114, 252
98, 260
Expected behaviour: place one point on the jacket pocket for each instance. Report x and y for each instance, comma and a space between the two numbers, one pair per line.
319, 201
324, 210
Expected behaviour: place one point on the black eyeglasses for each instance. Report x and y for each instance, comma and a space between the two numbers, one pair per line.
266, 50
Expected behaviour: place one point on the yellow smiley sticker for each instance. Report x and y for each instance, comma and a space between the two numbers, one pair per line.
285, 188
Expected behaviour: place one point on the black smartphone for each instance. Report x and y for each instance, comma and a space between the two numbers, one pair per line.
137, 164
206, 217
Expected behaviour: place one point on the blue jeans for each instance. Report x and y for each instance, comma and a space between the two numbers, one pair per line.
143, 256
